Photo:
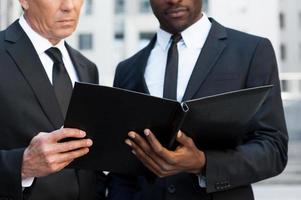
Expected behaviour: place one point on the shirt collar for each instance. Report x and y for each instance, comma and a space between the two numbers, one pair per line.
193, 37
40, 43
163, 39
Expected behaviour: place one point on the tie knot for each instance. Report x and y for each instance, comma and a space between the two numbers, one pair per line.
55, 54
176, 38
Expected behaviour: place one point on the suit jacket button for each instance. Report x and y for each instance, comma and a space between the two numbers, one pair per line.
171, 189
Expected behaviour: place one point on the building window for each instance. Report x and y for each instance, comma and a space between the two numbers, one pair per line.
283, 52
119, 36
119, 41
281, 21
88, 7
205, 5
146, 35
86, 41
144, 39
145, 6
119, 6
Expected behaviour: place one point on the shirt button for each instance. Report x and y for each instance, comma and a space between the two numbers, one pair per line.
171, 189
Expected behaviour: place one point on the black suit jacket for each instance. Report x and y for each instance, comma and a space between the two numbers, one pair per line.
230, 60
29, 106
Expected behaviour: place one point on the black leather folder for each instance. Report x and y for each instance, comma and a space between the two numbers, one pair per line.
107, 115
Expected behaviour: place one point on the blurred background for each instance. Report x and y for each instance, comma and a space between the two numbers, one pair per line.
112, 30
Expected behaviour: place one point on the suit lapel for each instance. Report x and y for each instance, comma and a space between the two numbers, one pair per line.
141, 63
23, 53
83, 74
210, 53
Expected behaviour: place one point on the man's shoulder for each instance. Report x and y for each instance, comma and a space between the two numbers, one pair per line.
76, 53
129, 63
2, 34
234, 34
240, 35
238, 40
2, 39
128, 69
79, 56
83, 63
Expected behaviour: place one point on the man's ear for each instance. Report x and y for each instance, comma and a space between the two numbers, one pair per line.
24, 4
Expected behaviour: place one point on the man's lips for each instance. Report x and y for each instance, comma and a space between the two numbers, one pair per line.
176, 12
66, 21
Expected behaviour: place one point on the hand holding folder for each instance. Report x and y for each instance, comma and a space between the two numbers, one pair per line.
163, 162
107, 115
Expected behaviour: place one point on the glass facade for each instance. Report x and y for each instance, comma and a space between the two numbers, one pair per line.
144, 6
206, 5
85, 41
88, 7
119, 6
281, 20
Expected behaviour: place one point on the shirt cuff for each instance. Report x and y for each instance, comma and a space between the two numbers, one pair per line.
27, 182
202, 181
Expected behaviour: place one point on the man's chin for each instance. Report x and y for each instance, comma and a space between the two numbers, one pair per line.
179, 27
65, 33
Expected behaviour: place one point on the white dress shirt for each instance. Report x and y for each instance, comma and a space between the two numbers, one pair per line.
41, 44
189, 48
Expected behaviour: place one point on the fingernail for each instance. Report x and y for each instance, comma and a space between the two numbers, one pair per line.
132, 134
82, 133
146, 132
128, 142
89, 142
133, 152
179, 134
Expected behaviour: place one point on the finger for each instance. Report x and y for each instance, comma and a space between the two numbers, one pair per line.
60, 166
147, 160
158, 165
71, 155
155, 168
146, 148
161, 151
155, 144
144, 158
184, 140
141, 142
67, 133
72, 145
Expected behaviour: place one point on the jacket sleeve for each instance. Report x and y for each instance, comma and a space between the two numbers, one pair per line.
10, 174
263, 153
117, 77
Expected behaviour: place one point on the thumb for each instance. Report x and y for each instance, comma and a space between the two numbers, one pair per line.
183, 139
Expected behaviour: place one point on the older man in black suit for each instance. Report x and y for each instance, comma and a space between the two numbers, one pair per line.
38, 69
194, 56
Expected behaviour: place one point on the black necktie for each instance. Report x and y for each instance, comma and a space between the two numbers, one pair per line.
60, 79
171, 71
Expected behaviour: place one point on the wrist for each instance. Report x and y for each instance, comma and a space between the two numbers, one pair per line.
200, 163
24, 175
